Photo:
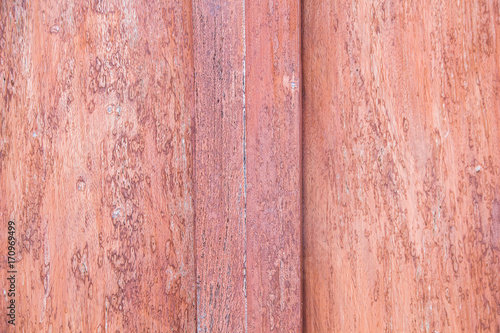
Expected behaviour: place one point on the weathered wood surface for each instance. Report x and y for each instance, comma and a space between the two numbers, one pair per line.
220, 165
150, 154
127, 149
96, 164
248, 166
401, 172
273, 110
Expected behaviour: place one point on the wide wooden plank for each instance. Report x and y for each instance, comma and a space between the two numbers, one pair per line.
401, 166
273, 113
220, 179
96, 164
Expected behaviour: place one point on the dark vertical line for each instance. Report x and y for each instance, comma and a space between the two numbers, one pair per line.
301, 172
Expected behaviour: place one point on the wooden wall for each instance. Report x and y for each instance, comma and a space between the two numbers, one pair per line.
251, 166
150, 158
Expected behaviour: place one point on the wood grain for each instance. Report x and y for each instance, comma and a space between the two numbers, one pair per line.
247, 178
97, 165
147, 194
220, 175
273, 158
401, 167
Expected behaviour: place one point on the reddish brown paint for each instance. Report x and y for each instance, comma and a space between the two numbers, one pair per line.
247, 166
273, 165
181, 209
103, 201
124, 163
401, 166
220, 175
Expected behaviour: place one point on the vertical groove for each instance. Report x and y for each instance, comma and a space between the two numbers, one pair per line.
301, 173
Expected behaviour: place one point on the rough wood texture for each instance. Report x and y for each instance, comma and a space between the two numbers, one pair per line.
248, 244
123, 161
150, 156
401, 166
220, 177
273, 165
96, 164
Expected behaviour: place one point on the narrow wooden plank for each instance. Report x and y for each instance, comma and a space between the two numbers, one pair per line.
96, 164
273, 158
220, 183
401, 166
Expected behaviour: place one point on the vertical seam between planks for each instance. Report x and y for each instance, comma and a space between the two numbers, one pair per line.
244, 169
301, 175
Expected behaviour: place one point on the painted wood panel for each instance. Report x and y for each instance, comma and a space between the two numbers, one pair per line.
145, 165
150, 154
220, 165
248, 166
97, 165
273, 109
401, 167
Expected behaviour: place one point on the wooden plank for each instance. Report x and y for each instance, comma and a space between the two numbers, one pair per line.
220, 183
273, 158
401, 166
96, 164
